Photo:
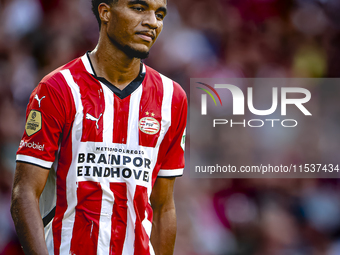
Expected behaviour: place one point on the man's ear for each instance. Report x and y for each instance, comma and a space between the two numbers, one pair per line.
104, 12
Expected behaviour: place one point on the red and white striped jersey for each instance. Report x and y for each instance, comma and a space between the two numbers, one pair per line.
105, 149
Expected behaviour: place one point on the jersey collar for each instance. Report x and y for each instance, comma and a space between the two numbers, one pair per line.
128, 90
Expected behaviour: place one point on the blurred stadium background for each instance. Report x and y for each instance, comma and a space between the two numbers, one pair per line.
216, 38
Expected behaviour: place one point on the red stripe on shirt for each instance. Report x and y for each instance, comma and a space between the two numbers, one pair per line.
86, 224
170, 154
140, 201
151, 105
119, 218
64, 164
121, 119
93, 101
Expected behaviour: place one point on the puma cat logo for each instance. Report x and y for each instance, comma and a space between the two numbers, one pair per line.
37, 98
90, 117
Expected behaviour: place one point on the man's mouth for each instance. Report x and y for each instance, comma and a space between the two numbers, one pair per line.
147, 36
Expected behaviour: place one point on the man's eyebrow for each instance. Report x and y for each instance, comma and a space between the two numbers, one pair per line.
142, 2
162, 9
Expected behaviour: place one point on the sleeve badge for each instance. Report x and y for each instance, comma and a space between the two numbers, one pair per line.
33, 124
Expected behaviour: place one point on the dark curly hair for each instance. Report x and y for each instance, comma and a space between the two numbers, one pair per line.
96, 3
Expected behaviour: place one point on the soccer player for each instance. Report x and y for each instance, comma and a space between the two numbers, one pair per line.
103, 143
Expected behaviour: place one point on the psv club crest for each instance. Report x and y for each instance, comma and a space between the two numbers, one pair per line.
149, 125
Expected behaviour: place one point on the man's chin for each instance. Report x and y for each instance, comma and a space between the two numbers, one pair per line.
134, 53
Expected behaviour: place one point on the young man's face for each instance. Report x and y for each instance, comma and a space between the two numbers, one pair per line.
135, 25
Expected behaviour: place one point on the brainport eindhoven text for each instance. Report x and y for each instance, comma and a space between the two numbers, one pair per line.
113, 166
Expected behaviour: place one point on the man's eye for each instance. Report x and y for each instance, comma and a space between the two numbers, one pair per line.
138, 8
160, 16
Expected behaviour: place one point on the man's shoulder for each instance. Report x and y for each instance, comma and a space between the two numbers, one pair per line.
178, 91
56, 79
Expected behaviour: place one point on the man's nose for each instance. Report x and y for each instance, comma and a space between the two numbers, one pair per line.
150, 20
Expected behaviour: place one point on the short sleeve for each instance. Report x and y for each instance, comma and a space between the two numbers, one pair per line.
45, 119
173, 162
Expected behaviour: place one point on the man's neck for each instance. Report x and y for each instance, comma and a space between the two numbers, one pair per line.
114, 65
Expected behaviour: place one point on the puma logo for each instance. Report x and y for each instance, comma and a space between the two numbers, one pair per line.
37, 98
90, 117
